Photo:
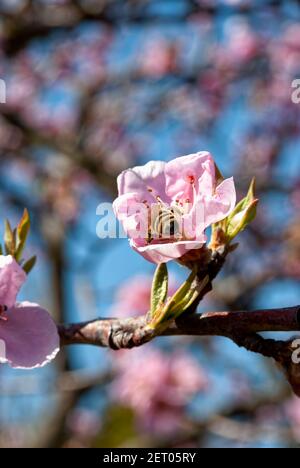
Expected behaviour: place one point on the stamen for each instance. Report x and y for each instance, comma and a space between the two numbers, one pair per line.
149, 238
166, 223
161, 203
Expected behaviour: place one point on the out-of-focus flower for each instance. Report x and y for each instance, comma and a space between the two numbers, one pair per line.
292, 411
296, 196
27, 331
240, 386
158, 387
60, 195
83, 423
291, 251
242, 42
166, 207
159, 58
133, 297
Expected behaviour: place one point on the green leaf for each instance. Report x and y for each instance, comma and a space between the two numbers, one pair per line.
181, 293
28, 266
242, 220
9, 239
243, 214
185, 296
23, 226
22, 234
190, 297
159, 291
177, 302
250, 197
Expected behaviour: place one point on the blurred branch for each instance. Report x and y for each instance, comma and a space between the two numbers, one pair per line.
32, 21
68, 381
71, 387
70, 150
248, 432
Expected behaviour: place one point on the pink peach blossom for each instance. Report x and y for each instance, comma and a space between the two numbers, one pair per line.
83, 423
28, 335
158, 386
158, 58
165, 207
242, 43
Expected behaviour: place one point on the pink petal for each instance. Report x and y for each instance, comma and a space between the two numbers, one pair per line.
12, 277
163, 253
207, 181
194, 221
30, 336
132, 214
122, 203
147, 181
222, 203
179, 172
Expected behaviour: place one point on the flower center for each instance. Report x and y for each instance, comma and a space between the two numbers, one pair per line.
164, 223
3, 309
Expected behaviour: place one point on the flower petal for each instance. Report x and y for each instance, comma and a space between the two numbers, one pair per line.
163, 253
222, 203
132, 214
180, 172
30, 336
12, 277
147, 181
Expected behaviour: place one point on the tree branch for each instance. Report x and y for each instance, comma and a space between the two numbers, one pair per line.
241, 327
131, 332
